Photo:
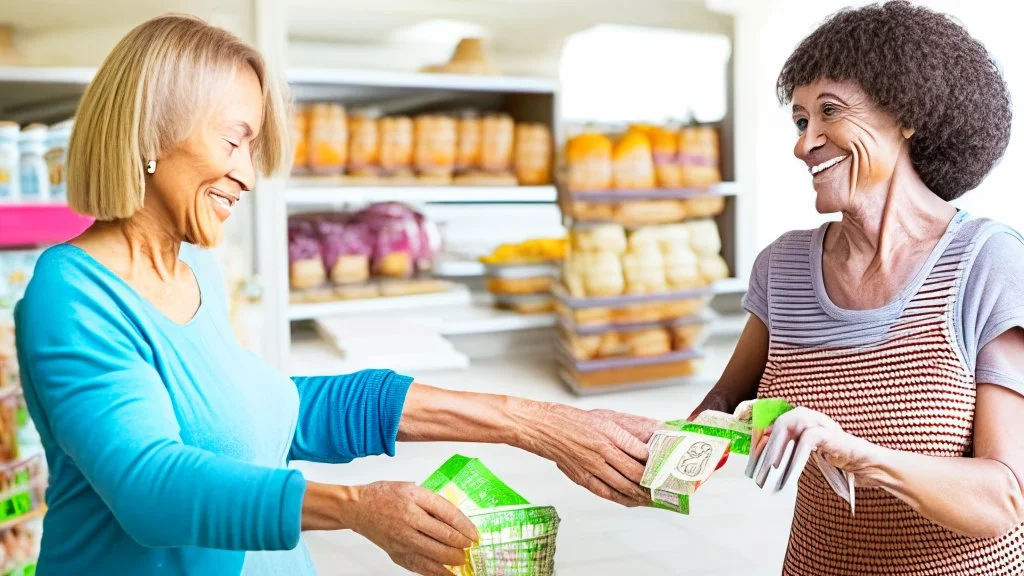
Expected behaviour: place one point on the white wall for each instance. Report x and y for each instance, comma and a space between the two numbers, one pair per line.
780, 194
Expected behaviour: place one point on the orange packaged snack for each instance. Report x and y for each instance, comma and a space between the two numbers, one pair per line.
533, 154
300, 135
435, 145
633, 162
328, 139
665, 148
396, 143
467, 155
364, 143
589, 158
497, 135
699, 155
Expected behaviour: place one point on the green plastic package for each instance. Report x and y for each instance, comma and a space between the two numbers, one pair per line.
468, 484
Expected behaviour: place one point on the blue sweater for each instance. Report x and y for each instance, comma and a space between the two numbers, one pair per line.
168, 444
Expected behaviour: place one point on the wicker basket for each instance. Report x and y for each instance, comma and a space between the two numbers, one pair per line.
514, 541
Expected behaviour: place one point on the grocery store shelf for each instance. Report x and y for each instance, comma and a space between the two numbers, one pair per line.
720, 189
45, 75
26, 517
327, 191
389, 79
24, 225
458, 295
459, 268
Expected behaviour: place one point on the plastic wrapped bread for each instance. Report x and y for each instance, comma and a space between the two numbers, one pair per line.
300, 136
632, 162
665, 148
602, 238
589, 159
435, 141
364, 142
396, 143
682, 268
497, 141
533, 154
699, 156
713, 268
704, 237
644, 271
601, 273
328, 139
467, 155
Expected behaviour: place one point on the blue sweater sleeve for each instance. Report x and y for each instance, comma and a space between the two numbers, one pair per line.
108, 409
345, 417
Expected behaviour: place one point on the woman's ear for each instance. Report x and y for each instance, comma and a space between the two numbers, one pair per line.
907, 133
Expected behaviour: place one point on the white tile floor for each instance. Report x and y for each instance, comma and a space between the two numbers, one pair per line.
734, 529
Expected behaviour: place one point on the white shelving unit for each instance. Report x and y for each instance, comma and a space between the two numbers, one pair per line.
312, 192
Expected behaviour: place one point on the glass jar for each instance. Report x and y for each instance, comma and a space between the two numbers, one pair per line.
35, 178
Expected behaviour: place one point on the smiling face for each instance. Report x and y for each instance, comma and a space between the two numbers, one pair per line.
848, 144
198, 183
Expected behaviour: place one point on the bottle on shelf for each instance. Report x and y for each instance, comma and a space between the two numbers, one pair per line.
10, 155
35, 178
56, 159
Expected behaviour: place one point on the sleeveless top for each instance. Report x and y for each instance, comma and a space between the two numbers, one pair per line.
897, 376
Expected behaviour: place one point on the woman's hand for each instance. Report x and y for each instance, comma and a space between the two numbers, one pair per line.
420, 530
810, 432
601, 450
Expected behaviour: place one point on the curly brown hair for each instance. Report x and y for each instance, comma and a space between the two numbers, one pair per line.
925, 70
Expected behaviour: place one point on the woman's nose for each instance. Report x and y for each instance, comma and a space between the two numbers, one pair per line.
811, 139
245, 173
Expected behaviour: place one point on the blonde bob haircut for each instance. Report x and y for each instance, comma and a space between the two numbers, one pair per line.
147, 96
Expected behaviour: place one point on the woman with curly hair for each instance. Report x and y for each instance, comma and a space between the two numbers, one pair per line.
897, 330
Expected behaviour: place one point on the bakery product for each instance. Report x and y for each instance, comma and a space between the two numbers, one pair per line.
467, 153
364, 142
396, 143
533, 154
582, 347
351, 269
645, 238
647, 342
307, 273
665, 147
682, 268
589, 158
602, 273
713, 268
435, 144
686, 336
704, 237
706, 206
497, 135
644, 271
636, 313
530, 285
328, 139
633, 162
592, 211
602, 238
649, 212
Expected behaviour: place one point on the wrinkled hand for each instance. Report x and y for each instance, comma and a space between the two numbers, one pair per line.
420, 530
601, 450
811, 432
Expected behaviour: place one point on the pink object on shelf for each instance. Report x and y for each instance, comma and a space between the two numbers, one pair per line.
25, 225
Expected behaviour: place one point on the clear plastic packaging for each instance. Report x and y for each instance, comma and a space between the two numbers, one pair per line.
633, 164
435, 138
467, 155
57, 140
396, 144
10, 155
363, 142
497, 138
328, 139
35, 177
533, 154
521, 279
300, 138
699, 156
610, 374
525, 303
589, 162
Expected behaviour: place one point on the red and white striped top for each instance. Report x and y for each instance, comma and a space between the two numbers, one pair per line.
897, 377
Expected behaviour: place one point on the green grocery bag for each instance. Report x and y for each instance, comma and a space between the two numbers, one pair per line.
468, 484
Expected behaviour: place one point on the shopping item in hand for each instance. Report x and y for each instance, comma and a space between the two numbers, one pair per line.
764, 413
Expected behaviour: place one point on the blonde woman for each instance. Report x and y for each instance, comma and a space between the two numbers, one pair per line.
167, 443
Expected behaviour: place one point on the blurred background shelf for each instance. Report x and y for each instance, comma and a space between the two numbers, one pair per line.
326, 192
422, 81
29, 225
458, 295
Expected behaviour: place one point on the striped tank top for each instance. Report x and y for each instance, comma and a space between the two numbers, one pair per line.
896, 376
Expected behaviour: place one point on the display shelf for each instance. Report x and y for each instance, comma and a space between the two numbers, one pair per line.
455, 268
704, 378
26, 517
458, 295
422, 81
726, 189
331, 191
24, 225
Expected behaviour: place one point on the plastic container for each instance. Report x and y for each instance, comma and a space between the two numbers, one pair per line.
35, 178
9, 410
514, 541
467, 155
630, 372
643, 207
10, 160
396, 144
533, 154
497, 138
364, 142
300, 138
525, 303
630, 309
521, 279
57, 140
435, 143
328, 139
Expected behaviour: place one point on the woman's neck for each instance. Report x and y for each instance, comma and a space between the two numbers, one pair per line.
885, 220
147, 245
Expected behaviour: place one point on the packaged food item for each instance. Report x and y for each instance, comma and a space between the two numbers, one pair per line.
497, 139
653, 341
435, 139
346, 248
305, 260
699, 156
601, 238
533, 251
467, 155
521, 279
680, 462
10, 156
525, 303
589, 159
57, 139
713, 268
601, 273
633, 162
534, 154
644, 271
35, 177
396, 144
404, 240
686, 335
603, 374
665, 148
413, 287
19, 548
9, 409
649, 212
471, 486
514, 540
705, 206
300, 138
363, 142
704, 237
328, 139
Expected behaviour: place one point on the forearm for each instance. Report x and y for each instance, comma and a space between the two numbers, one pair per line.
976, 497
742, 374
328, 506
435, 414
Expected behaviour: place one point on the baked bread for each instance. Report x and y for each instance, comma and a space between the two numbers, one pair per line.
602, 273
532, 285
713, 268
706, 206
467, 152
665, 147
497, 136
632, 162
396, 143
435, 145
593, 211
647, 342
644, 271
602, 238
363, 143
704, 237
650, 212
686, 336
589, 159
351, 269
682, 268
533, 154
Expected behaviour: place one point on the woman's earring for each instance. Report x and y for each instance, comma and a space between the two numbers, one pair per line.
151, 167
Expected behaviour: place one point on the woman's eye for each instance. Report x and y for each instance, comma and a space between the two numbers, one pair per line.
828, 110
233, 144
801, 124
